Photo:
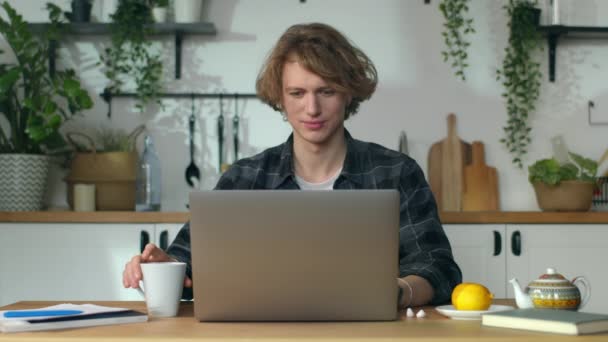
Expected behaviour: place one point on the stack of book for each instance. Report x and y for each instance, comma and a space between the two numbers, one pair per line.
64, 316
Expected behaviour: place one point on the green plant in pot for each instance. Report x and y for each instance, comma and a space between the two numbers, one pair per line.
564, 187
131, 55
520, 76
34, 106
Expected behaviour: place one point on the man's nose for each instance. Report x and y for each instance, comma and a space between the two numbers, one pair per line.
312, 104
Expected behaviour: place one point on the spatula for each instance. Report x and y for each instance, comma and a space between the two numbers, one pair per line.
192, 171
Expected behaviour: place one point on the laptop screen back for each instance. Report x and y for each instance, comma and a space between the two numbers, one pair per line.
290, 255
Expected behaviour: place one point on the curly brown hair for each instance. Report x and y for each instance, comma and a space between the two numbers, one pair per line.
324, 51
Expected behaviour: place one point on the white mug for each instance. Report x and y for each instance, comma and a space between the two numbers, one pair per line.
163, 284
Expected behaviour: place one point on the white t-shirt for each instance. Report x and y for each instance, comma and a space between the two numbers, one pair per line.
324, 185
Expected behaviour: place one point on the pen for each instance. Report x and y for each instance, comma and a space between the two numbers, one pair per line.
39, 313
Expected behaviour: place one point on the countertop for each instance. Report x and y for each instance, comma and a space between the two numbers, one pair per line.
181, 217
185, 327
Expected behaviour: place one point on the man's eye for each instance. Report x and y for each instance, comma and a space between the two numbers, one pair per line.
295, 93
328, 92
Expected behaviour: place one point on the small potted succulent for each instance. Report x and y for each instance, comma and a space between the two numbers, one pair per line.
159, 10
564, 186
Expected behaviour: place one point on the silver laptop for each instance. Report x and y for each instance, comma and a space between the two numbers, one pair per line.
291, 255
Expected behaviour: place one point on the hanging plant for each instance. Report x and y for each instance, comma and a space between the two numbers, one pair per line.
131, 55
520, 75
456, 27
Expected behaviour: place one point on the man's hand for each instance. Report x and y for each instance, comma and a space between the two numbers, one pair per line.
132, 273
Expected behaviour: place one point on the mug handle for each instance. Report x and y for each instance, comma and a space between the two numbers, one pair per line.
139, 289
585, 286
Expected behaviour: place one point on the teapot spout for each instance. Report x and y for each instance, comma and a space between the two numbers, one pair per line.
522, 299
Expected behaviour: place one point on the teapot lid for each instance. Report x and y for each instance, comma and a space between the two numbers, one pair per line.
552, 275
552, 279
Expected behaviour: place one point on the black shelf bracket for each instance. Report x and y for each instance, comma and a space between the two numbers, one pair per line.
179, 37
554, 33
52, 55
107, 96
552, 41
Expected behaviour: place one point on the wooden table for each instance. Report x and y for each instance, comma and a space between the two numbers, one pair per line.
185, 328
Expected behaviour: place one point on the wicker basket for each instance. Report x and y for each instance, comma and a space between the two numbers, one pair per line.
112, 173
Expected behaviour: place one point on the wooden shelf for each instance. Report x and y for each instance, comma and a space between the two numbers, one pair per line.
554, 32
91, 29
182, 217
178, 30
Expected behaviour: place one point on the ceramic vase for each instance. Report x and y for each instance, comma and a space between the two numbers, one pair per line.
23, 181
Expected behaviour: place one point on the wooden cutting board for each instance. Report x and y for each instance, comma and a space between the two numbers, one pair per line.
446, 161
481, 183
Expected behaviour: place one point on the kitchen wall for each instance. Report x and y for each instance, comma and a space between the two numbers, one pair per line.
416, 90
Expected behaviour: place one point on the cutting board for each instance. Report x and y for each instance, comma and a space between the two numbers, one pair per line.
446, 161
481, 183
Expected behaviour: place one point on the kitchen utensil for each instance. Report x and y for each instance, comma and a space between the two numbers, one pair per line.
235, 127
192, 171
403, 143
553, 291
480, 183
446, 162
220, 133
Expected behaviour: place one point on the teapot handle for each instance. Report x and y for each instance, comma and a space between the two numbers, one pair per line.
585, 286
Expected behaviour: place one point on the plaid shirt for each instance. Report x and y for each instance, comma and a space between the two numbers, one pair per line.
424, 249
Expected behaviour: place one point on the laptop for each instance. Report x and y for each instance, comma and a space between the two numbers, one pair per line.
292, 255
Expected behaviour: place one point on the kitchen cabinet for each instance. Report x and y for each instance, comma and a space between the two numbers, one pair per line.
71, 261
572, 249
527, 250
479, 251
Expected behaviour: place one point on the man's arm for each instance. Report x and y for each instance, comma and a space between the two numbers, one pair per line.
425, 256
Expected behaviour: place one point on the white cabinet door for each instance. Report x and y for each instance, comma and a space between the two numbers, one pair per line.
67, 261
166, 233
572, 249
479, 250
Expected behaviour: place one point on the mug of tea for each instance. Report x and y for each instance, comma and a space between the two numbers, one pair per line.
163, 283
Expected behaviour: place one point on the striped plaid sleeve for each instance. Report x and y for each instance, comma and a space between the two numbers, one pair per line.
424, 248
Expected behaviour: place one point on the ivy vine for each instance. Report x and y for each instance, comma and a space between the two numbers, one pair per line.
131, 53
521, 76
455, 29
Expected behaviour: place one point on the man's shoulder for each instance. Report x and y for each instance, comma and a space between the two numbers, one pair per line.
375, 154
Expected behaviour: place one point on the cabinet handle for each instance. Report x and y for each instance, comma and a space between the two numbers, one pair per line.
497, 243
516, 243
164, 240
144, 239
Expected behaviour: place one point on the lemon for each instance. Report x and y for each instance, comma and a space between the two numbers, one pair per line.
471, 296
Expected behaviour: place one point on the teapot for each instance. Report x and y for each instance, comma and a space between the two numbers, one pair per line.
552, 291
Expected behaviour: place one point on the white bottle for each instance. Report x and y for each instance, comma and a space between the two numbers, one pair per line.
148, 182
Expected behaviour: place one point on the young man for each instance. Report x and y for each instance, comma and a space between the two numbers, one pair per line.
316, 78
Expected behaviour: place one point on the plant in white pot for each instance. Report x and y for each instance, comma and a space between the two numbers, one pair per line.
564, 187
33, 107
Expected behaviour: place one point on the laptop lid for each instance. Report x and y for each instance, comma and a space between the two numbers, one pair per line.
291, 255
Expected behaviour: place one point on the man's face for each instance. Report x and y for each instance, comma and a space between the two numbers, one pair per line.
314, 109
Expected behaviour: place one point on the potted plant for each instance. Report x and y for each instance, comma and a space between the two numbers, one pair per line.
520, 75
455, 28
159, 10
81, 11
34, 106
564, 187
131, 55
108, 160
